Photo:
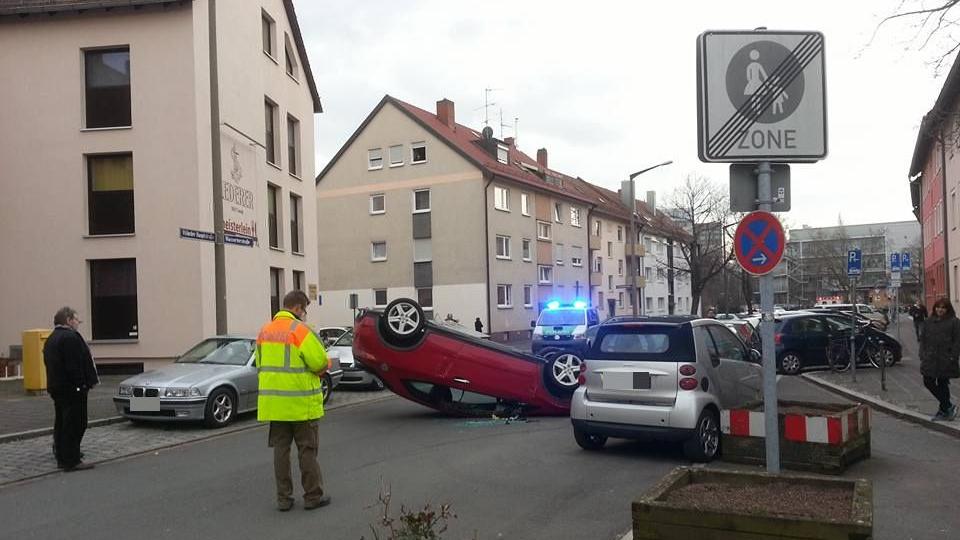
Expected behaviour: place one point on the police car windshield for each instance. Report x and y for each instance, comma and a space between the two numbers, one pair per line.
563, 317
232, 352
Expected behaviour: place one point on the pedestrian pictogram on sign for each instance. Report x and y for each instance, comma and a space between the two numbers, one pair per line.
759, 242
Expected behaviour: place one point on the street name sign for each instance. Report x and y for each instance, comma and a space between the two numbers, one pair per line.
761, 96
759, 242
743, 187
905, 261
197, 235
854, 262
895, 262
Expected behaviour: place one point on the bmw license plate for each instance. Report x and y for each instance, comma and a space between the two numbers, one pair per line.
144, 404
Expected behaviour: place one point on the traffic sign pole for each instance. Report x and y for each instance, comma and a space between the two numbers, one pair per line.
770, 416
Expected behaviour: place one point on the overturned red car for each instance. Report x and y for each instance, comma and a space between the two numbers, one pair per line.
458, 373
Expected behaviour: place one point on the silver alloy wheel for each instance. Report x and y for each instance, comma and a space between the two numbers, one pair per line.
324, 387
709, 433
884, 354
403, 319
566, 369
223, 408
790, 363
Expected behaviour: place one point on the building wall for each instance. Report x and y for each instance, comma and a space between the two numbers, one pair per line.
346, 228
515, 271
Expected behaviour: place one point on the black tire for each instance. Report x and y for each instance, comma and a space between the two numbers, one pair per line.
875, 353
589, 441
561, 370
221, 408
402, 323
377, 384
326, 387
789, 363
704, 445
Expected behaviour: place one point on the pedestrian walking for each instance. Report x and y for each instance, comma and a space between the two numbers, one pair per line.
290, 363
939, 352
477, 325
71, 373
918, 312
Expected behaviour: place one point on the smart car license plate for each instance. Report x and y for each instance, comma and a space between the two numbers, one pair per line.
626, 381
144, 404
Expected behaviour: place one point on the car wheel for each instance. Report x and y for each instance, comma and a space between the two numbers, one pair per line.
562, 370
882, 353
402, 323
326, 387
705, 443
221, 408
790, 363
589, 441
377, 383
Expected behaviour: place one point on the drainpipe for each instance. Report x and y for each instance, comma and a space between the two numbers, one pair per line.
486, 250
946, 247
219, 257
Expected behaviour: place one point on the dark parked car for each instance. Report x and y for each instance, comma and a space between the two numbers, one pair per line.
455, 372
802, 340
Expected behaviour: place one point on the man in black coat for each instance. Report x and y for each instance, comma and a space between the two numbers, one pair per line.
71, 373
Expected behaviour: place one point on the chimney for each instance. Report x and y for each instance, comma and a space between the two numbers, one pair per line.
445, 113
652, 201
542, 157
510, 141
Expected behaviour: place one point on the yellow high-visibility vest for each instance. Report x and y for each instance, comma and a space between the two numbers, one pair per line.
290, 361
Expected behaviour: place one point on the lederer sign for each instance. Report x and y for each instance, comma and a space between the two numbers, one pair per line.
761, 96
239, 180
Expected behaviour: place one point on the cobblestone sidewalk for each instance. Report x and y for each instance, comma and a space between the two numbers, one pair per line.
30, 458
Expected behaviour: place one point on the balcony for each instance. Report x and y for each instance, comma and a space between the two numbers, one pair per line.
596, 279
639, 247
594, 242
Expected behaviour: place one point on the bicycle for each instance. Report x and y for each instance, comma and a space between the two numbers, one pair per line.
838, 351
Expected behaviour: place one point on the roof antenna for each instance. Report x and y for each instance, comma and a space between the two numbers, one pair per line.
516, 137
487, 104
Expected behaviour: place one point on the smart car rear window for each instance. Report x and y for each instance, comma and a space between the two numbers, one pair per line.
644, 342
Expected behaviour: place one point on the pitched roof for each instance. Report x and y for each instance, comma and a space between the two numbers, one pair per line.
608, 202
934, 118
24, 8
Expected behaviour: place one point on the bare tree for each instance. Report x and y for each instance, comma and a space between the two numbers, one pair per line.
701, 207
932, 25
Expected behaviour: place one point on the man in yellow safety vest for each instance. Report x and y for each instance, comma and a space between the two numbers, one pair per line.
290, 362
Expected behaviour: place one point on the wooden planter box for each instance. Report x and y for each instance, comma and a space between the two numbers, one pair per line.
656, 517
814, 437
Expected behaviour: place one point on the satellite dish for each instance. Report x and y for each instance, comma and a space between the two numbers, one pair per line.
487, 133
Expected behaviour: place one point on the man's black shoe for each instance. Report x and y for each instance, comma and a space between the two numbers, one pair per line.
78, 467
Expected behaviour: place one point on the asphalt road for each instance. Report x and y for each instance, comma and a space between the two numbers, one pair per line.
523, 480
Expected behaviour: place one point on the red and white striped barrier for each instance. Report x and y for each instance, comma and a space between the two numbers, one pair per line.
831, 429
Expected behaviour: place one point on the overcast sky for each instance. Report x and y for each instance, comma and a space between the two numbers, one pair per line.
611, 89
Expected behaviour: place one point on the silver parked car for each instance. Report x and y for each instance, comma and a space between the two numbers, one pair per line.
212, 382
354, 375
663, 378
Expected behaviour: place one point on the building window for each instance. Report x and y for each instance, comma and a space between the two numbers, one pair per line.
379, 297
600, 299
291, 57
298, 281
619, 233
296, 223
525, 204
501, 198
418, 152
557, 212
597, 226
107, 83
396, 155
113, 299
110, 194
661, 304
425, 298
610, 283
504, 296
558, 254
378, 251
422, 250
378, 204
619, 267
648, 273
609, 249
543, 230
545, 273
574, 216
661, 275
527, 296
270, 131
598, 265
273, 215
293, 145
619, 299
503, 247
525, 249
649, 302
576, 261
276, 289
421, 201
267, 31
503, 154
374, 159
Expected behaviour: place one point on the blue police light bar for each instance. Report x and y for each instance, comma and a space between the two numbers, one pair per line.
579, 304
553, 305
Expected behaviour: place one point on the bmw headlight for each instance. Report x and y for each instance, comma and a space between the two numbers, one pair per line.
125, 390
195, 392
176, 392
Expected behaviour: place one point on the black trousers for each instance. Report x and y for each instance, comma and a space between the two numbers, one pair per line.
69, 425
940, 388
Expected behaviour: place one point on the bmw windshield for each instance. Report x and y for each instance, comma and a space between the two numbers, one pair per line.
228, 352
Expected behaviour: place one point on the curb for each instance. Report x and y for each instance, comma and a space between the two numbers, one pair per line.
40, 432
946, 428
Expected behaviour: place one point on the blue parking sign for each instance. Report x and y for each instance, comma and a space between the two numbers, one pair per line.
905, 261
854, 262
894, 262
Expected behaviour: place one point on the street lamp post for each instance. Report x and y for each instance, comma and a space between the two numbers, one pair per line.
631, 260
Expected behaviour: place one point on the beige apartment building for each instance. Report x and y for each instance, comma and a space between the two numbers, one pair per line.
107, 188
416, 205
